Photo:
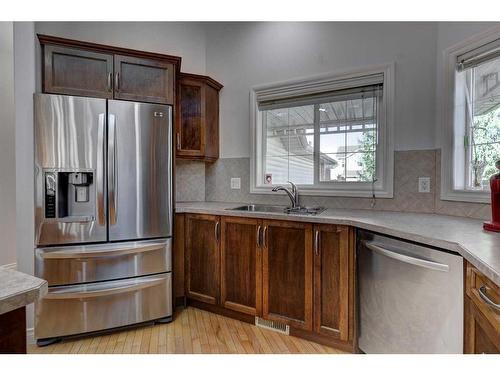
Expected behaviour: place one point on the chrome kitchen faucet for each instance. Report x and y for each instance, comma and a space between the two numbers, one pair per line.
293, 195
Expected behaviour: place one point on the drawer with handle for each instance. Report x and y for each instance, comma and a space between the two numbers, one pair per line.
485, 294
76, 309
88, 263
482, 323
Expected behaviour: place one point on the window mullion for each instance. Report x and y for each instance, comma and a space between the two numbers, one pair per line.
316, 146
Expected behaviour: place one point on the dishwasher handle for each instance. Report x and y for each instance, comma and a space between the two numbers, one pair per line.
405, 258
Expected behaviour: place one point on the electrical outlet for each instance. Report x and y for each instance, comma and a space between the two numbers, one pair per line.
235, 183
424, 184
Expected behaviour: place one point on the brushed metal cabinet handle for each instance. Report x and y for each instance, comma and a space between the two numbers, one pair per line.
178, 141
217, 232
117, 81
264, 237
259, 244
485, 298
316, 242
110, 75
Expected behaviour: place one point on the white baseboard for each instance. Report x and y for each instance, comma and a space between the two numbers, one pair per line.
10, 266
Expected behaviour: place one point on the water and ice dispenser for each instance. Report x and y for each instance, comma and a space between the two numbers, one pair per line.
69, 195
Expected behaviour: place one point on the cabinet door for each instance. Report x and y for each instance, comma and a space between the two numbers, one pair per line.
241, 265
482, 315
72, 71
191, 122
202, 257
287, 273
144, 80
480, 335
331, 280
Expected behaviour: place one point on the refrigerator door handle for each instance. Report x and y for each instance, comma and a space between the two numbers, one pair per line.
100, 171
112, 172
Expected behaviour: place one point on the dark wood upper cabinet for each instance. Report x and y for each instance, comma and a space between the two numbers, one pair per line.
241, 265
197, 122
74, 71
75, 67
333, 270
287, 273
143, 80
202, 268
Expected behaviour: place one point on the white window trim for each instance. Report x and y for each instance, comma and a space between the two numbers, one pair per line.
448, 107
384, 187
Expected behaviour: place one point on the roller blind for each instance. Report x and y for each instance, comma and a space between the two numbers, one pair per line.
345, 89
478, 55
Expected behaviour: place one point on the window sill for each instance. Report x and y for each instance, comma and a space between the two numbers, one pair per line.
330, 192
467, 196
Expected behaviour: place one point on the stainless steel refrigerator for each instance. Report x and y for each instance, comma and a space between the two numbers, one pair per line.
103, 214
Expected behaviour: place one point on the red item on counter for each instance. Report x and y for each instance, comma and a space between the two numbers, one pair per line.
494, 224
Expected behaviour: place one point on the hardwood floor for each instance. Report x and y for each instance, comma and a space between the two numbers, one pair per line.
192, 331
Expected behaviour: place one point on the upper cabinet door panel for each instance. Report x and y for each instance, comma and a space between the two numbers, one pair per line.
74, 71
144, 80
197, 118
192, 131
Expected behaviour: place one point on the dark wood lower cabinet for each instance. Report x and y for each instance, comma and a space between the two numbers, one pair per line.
241, 265
202, 268
333, 265
13, 332
287, 273
295, 273
480, 335
482, 319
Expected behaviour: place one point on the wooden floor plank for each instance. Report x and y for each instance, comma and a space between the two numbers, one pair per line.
192, 331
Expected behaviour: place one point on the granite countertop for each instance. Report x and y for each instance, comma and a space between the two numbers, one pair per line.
18, 289
462, 235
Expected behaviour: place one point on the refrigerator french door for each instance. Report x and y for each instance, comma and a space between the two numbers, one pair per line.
139, 168
103, 220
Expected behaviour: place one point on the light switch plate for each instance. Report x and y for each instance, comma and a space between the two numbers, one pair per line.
424, 184
235, 183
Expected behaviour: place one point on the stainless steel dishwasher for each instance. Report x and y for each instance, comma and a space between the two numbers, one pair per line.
410, 297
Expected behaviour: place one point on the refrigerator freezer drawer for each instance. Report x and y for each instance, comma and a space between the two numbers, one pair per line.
90, 263
87, 308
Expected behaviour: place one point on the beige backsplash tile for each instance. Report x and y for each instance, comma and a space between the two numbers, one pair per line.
408, 167
189, 181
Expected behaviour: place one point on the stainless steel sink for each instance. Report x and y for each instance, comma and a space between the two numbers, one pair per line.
278, 209
260, 208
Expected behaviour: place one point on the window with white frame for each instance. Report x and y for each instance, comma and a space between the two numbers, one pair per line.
476, 118
329, 135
